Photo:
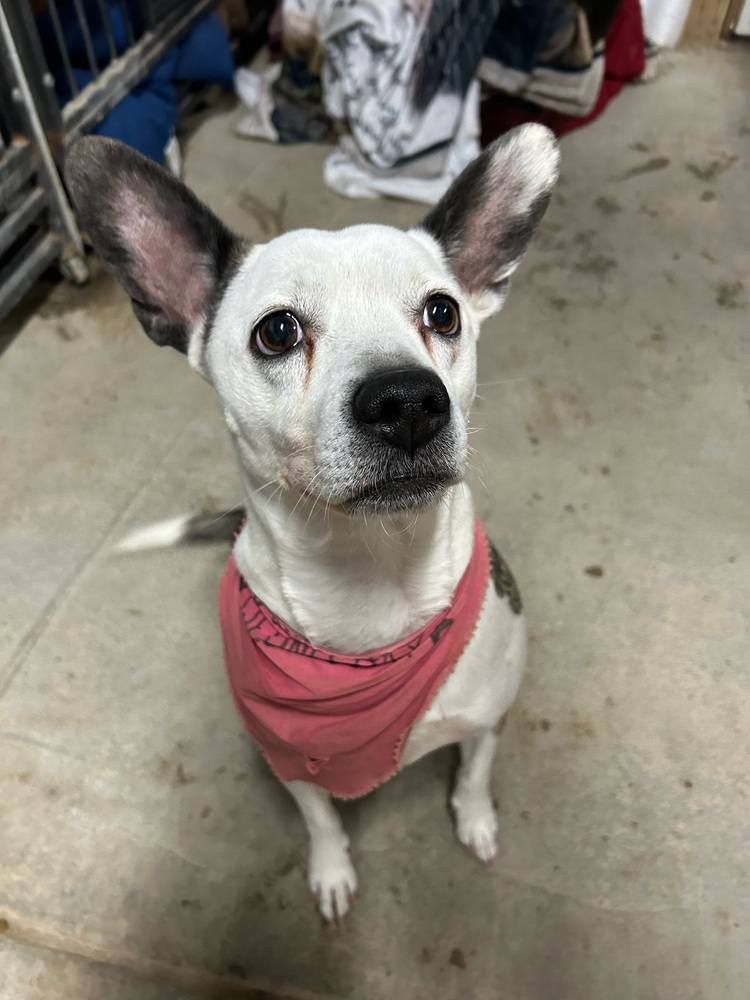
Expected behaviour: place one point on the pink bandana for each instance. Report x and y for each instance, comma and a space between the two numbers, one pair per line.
335, 720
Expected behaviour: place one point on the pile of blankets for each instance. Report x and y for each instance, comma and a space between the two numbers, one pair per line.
409, 89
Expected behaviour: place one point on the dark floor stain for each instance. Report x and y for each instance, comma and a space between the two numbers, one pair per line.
598, 264
610, 701
687, 782
545, 724
65, 334
525, 815
191, 904
221, 770
457, 958
181, 777
722, 918
743, 130
605, 470
24, 777
708, 196
235, 969
4, 925
560, 597
135, 612
712, 171
558, 302
608, 206
585, 237
53, 792
579, 727
270, 220
658, 337
709, 257
597, 571
569, 508
533, 439
640, 147
206, 812
425, 954
727, 293
655, 163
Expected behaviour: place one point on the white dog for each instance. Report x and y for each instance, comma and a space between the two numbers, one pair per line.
366, 619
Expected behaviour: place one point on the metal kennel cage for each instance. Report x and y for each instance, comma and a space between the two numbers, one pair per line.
45, 102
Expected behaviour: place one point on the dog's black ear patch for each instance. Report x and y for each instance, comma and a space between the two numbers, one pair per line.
166, 248
486, 219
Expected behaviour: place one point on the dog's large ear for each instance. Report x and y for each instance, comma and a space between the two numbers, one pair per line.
166, 248
486, 219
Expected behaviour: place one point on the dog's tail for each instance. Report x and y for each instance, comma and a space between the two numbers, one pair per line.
188, 530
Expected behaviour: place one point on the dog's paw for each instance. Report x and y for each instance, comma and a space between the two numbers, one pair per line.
476, 824
333, 880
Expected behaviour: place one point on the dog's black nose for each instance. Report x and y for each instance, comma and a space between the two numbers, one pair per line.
406, 407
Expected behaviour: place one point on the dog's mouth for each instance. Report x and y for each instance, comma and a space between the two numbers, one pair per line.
401, 493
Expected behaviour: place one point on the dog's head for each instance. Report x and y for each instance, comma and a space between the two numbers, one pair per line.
344, 361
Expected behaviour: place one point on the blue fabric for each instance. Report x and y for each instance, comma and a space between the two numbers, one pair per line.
146, 117
204, 55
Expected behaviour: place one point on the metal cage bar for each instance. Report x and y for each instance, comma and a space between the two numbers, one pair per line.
60, 39
37, 224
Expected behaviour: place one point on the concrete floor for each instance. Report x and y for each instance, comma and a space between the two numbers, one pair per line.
145, 852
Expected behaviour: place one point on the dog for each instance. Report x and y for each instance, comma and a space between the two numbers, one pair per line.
345, 367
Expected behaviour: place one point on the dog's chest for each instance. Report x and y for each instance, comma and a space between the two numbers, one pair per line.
483, 685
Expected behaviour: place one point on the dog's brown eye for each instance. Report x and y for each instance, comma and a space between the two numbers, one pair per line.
441, 315
277, 333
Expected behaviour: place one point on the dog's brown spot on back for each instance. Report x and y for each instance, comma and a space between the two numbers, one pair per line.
505, 584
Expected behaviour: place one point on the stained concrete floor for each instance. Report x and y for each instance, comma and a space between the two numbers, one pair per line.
145, 852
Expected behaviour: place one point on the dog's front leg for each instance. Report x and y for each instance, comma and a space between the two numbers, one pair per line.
476, 820
331, 873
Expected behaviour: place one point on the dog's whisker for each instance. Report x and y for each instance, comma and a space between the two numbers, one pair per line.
502, 381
